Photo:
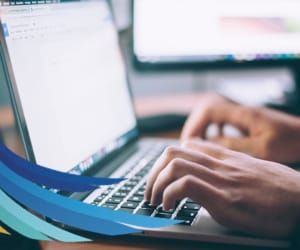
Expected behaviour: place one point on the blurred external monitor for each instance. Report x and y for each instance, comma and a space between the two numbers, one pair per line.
219, 32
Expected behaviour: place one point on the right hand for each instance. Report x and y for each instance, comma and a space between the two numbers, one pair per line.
239, 191
268, 134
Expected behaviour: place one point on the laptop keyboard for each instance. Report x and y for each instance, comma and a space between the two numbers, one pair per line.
128, 196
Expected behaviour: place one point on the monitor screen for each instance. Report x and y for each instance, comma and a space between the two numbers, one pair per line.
209, 31
70, 79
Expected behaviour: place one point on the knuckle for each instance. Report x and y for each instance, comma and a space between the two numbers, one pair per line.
175, 164
171, 151
174, 167
188, 143
187, 182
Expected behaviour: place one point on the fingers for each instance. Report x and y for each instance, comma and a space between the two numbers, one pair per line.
204, 115
207, 147
249, 145
177, 169
196, 124
173, 153
193, 187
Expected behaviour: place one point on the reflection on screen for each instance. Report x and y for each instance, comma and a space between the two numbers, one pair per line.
212, 30
70, 77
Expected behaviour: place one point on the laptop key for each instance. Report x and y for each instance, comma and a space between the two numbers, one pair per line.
136, 198
114, 200
191, 206
139, 193
146, 204
163, 215
160, 210
142, 189
120, 194
145, 211
106, 192
127, 210
186, 220
125, 189
187, 213
100, 198
131, 183
130, 204
109, 205
136, 178
189, 200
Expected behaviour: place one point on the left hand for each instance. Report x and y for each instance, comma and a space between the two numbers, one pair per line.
239, 191
267, 134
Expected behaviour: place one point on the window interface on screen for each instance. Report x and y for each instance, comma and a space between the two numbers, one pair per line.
70, 78
213, 30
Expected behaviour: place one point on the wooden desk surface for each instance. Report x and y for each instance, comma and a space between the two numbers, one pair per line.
117, 243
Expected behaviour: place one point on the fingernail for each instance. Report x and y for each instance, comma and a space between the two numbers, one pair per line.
153, 202
166, 208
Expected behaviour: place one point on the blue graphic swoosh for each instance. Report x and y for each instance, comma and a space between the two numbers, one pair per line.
51, 178
72, 212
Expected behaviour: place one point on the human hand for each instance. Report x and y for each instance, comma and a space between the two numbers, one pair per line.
239, 191
267, 134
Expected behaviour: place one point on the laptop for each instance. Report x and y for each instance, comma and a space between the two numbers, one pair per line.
73, 107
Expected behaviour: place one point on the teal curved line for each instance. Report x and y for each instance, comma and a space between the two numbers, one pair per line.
25, 223
11, 220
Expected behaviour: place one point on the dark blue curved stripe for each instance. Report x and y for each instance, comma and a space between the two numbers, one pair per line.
51, 178
72, 212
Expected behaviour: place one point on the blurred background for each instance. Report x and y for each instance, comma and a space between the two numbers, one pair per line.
248, 77
174, 47
246, 51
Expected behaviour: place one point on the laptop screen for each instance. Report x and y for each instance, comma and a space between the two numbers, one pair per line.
70, 79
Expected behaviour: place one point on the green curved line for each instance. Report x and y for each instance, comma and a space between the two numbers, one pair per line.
25, 223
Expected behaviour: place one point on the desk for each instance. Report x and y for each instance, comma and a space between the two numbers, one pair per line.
118, 243
144, 106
